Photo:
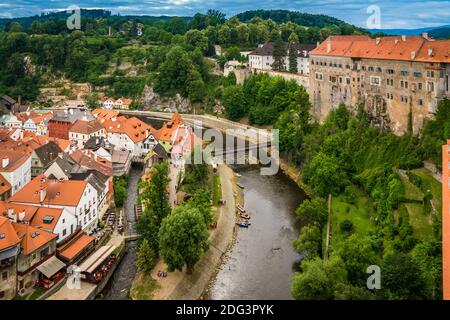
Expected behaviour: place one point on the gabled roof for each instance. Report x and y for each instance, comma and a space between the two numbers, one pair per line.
46, 218
89, 160
105, 114
24, 213
134, 128
57, 192
169, 128
86, 127
48, 153
73, 114
32, 238
37, 141
13, 159
8, 236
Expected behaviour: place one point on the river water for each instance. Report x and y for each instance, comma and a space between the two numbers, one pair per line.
119, 285
262, 261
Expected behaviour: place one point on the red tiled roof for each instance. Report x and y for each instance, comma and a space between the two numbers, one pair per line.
57, 192
32, 238
169, 128
42, 212
27, 211
86, 158
5, 186
15, 159
134, 128
86, 127
405, 48
8, 236
75, 246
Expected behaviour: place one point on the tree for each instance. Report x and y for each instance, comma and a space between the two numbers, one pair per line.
202, 201
183, 237
402, 278
145, 260
120, 190
293, 41
279, 54
313, 211
148, 230
233, 100
155, 195
309, 241
318, 279
197, 39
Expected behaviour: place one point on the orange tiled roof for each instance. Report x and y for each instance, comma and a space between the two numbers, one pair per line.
75, 246
8, 236
86, 127
63, 193
105, 114
17, 209
134, 128
42, 212
32, 238
406, 48
5, 186
38, 141
86, 158
169, 128
125, 101
15, 159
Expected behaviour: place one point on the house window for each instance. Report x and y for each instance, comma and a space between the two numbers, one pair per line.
375, 81
430, 86
390, 71
420, 102
430, 73
417, 74
5, 276
404, 72
64, 232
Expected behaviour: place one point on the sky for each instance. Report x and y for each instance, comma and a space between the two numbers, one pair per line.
408, 14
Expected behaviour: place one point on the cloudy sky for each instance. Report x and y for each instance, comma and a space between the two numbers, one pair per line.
394, 14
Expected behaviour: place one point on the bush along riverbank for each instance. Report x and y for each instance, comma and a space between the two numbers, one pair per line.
365, 194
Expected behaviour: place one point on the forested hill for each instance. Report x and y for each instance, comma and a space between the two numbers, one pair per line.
283, 16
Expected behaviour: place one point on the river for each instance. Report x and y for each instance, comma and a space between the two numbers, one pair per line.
120, 284
262, 261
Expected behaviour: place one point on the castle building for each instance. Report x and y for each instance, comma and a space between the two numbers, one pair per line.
400, 79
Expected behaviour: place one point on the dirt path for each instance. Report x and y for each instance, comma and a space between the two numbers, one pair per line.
181, 286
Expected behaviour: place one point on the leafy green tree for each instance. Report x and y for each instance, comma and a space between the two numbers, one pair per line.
146, 257
293, 41
309, 241
313, 211
154, 194
319, 279
148, 230
233, 100
197, 39
120, 190
402, 278
201, 200
183, 237
279, 54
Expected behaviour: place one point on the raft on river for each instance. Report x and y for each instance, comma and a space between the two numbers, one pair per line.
244, 215
240, 208
243, 223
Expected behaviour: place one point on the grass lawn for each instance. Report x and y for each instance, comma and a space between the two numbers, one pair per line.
419, 221
217, 189
411, 191
433, 185
359, 214
143, 287
37, 293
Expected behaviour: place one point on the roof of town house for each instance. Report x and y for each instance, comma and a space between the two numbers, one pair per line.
67, 164
404, 48
9, 117
95, 178
8, 236
105, 114
5, 186
95, 143
25, 116
73, 114
86, 127
8, 99
169, 128
42, 117
266, 49
120, 156
134, 128
48, 153
11, 160
46, 218
75, 246
37, 141
125, 101
108, 99
56, 192
18, 209
32, 238
89, 160
5, 134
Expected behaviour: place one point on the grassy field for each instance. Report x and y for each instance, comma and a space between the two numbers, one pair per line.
143, 287
420, 222
411, 191
360, 214
433, 185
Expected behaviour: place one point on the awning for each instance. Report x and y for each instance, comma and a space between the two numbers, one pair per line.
91, 263
50, 267
75, 246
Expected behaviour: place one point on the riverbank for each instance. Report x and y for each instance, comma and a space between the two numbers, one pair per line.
295, 175
179, 285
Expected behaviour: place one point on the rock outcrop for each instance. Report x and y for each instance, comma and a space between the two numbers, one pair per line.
150, 100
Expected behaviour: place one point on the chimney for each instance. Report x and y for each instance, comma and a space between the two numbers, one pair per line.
425, 35
403, 38
42, 194
430, 51
413, 55
146, 133
328, 46
11, 215
378, 40
317, 43
5, 162
21, 215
